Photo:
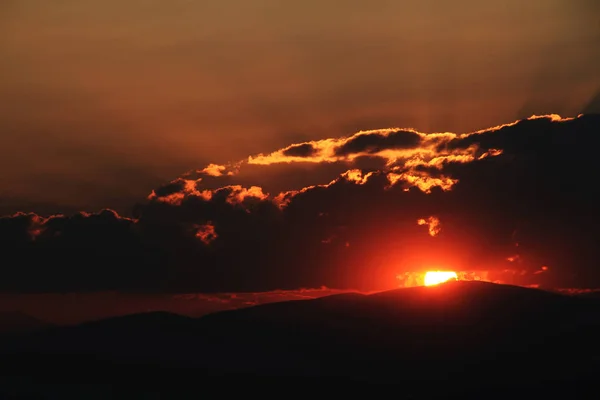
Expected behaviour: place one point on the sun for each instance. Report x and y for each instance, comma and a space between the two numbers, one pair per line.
437, 277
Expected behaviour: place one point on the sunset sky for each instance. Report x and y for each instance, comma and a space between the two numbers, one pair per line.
104, 100
231, 145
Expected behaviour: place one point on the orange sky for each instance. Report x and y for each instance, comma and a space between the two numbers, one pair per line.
101, 101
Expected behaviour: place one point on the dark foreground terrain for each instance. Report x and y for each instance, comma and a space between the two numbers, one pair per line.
467, 339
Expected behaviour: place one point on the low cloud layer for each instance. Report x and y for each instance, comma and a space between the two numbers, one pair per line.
512, 200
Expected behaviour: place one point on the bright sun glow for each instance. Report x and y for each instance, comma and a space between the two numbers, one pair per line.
436, 277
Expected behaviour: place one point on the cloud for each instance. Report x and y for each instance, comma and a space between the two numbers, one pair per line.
206, 233
377, 142
390, 144
300, 150
515, 200
214, 170
433, 225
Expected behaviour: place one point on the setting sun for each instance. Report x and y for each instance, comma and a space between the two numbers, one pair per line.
436, 277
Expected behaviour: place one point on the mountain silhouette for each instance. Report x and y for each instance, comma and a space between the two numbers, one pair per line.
15, 321
461, 337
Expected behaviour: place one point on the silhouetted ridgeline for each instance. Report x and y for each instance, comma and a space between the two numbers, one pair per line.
462, 335
20, 322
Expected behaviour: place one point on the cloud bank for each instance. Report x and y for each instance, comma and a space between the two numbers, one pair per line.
513, 200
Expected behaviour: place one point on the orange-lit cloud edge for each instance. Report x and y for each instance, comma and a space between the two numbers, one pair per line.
405, 150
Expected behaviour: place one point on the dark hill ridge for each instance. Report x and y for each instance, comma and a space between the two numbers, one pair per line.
485, 332
16, 321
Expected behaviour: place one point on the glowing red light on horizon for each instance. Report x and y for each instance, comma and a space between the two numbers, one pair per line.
437, 277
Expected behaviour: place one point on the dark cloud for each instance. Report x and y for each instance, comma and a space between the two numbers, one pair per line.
300, 150
79, 252
516, 201
170, 188
377, 142
11, 205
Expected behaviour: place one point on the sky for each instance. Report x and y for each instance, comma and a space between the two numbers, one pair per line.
102, 101
244, 146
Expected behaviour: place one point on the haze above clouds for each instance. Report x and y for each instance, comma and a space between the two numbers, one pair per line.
105, 100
